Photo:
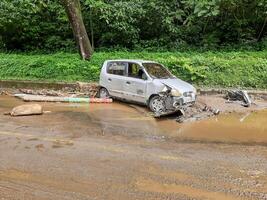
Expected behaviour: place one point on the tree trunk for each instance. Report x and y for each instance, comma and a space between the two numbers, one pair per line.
262, 30
73, 10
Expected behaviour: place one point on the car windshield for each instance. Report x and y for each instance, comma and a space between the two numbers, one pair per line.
156, 70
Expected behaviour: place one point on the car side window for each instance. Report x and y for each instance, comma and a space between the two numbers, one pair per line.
135, 71
117, 68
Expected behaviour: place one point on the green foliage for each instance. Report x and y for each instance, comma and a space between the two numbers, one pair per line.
34, 25
226, 69
136, 24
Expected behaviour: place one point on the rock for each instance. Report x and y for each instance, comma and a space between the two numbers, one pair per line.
27, 109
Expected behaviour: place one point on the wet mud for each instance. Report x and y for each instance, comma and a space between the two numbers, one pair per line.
131, 121
120, 151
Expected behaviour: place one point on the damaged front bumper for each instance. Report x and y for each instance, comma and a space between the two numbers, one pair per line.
175, 104
179, 102
187, 99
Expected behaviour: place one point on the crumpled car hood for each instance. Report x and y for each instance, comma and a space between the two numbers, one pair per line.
178, 84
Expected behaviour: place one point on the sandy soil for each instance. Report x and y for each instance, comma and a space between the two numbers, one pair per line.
119, 151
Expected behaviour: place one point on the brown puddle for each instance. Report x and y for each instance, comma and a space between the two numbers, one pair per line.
123, 120
232, 128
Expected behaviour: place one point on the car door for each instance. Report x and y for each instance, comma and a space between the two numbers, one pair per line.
134, 86
116, 74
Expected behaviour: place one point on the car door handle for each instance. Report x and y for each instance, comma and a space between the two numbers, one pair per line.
109, 79
128, 82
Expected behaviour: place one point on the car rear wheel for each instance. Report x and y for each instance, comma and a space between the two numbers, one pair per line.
157, 104
103, 93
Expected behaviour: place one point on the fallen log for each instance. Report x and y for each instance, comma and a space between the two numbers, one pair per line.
40, 98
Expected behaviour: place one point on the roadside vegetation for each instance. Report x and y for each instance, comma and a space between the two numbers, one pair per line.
212, 43
30, 25
246, 69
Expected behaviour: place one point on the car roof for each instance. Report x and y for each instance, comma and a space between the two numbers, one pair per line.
131, 60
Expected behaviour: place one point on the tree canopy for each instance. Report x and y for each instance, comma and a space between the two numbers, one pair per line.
135, 24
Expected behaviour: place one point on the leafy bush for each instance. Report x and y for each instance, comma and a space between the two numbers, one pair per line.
209, 69
30, 25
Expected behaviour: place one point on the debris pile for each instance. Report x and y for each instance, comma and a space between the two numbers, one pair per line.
5, 93
196, 112
83, 90
200, 111
188, 112
43, 92
88, 89
238, 95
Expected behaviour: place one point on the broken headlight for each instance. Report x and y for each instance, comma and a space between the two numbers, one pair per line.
165, 89
175, 93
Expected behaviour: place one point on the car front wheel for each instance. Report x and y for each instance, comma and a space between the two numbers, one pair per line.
103, 93
157, 104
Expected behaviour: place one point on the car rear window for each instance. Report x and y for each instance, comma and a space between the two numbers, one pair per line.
117, 68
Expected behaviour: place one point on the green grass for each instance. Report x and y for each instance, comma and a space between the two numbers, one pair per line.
209, 69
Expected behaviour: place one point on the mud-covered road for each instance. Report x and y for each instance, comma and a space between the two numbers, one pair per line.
118, 151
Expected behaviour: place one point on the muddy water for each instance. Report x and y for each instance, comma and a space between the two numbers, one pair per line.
245, 128
120, 119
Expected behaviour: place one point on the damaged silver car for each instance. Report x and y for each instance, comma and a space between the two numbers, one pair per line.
145, 82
